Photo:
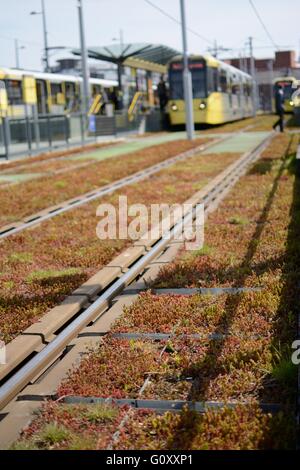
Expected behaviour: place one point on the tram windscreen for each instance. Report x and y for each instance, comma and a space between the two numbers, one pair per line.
286, 87
198, 71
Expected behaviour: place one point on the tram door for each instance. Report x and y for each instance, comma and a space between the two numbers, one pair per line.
41, 91
71, 96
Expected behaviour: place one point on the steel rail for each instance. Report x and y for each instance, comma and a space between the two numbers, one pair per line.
44, 358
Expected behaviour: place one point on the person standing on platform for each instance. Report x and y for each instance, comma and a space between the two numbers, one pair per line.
162, 93
279, 106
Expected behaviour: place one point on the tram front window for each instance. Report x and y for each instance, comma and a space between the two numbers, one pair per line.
198, 81
176, 85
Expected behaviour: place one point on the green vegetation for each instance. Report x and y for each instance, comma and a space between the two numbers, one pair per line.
42, 275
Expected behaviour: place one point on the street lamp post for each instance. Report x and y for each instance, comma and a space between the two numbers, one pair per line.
85, 70
271, 83
253, 74
17, 49
46, 48
187, 79
120, 68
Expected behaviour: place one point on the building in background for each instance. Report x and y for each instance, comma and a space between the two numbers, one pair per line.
284, 64
72, 66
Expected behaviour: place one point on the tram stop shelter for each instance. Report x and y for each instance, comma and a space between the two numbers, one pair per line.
152, 58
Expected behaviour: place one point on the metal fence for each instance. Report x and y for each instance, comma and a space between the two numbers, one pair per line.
34, 135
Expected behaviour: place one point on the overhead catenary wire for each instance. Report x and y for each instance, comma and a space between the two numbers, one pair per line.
176, 20
263, 24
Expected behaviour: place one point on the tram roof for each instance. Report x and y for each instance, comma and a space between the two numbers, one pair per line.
152, 57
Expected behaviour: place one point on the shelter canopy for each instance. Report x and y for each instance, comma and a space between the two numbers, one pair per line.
152, 57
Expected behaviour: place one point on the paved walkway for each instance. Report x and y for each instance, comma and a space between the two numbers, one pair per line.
130, 145
239, 143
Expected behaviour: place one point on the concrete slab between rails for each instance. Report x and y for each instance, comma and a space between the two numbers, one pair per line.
17, 351
15, 417
104, 323
169, 405
125, 259
154, 268
56, 317
146, 242
147, 239
151, 273
143, 283
47, 383
169, 254
98, 282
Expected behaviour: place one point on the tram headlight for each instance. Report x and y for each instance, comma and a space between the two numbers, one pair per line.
202, 105
174, 107
292, 103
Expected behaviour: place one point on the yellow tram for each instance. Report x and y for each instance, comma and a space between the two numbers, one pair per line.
221, 93
52, 93
289, 85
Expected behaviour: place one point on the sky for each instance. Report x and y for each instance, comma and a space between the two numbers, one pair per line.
229, 22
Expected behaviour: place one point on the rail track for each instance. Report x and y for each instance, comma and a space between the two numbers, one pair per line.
92, 308
52, 211
46, 214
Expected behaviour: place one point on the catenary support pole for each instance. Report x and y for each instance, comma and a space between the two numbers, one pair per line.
187, 79
17, 54
271, 83
85, 70
253, 74
47, 66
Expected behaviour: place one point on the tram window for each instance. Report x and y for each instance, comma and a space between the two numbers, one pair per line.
215, 77
212, 79
70, 89
235, 88
223, 81
71, 97
249, 89
176, 84
199, 83
56, 89
14, 91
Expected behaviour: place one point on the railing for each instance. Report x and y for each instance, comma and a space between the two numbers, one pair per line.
33, 135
